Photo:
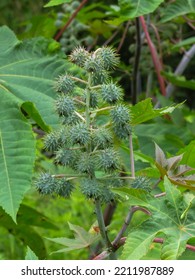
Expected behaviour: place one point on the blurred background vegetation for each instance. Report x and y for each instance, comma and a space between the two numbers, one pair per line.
93, 27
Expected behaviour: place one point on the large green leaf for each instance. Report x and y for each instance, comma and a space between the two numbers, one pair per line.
29, 74
144, 111
26, 85
17, 154
56, 3
179, 81
83, 239
172, 218
135, 8
173, 170
189, 154
178, 8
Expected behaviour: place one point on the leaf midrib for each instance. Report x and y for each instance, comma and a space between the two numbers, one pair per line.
7, 173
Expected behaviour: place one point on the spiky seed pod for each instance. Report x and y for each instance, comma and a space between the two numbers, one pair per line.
115, 182
80, 134
99, 77
46, 183
71, 119
141, 182
108, 56
66, 157
65, 106
64, 136
86, 164
52, 141
122, 131
120, 115
93, 65
63, 188
65, 84
107, 196
90, 188
111, 93
102, 138
79, 56
108, 160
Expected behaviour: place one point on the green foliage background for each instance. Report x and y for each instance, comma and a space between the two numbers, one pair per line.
30, 61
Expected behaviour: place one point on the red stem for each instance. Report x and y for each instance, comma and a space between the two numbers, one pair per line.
188, 246
155, 58
59, 34
105, 254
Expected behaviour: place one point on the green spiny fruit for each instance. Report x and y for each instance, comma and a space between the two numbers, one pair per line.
46, 183
80, 134
141, 183
65, 84
65, 106
64, 188
111, 93
108, 160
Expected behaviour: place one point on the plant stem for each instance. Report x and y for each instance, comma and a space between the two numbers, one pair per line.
124, 227
131, 156
155, 58
101, 224
88, 103
99, 213
134, 84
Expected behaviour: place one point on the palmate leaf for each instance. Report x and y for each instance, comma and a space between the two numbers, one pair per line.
83, 239
135, 8
179, 81
143, 111
29, 74
170, 167
178, 8
17, 154
172, 217
189, 154
26, 85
